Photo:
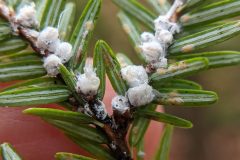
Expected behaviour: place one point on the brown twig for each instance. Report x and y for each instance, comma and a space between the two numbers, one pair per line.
115, 128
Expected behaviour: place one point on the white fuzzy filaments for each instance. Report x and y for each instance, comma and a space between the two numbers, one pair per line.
139, 93
88, 82
47, 41
134, 75
26, 16
154, 46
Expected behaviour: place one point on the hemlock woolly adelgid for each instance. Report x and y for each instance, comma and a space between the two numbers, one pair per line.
140, 95
164, 36
47, 42
120, 104
88, 82
154, 46
27, 16
151, 50
64, 51
51, 64
48, 39
147, 37
134, 75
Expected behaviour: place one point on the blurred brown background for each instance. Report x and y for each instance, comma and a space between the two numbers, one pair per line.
216, 132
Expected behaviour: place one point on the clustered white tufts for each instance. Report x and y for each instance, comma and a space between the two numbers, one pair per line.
154, 46
51, 64
49, 43
27, 16
120, 104
64, 51
88, 82
134, 75
48, 39
139, 93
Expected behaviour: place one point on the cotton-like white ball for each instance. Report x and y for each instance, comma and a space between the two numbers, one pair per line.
134, 75
99, 110
152, 50
64, 51
164, 36
120, 104
162, 23
88, 83
51, 64
147, 37
27, 16
48, 39
140, 95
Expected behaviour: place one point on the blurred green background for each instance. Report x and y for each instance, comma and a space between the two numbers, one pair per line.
216, 132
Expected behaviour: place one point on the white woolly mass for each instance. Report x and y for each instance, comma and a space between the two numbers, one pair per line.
152, 50
100, 110
64, 51
48, 39
140, 95
88, 83
162, 23
164, 36
51, 64
33, 33
147, 37
120, 104
27, 16
154, 46
134, 75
